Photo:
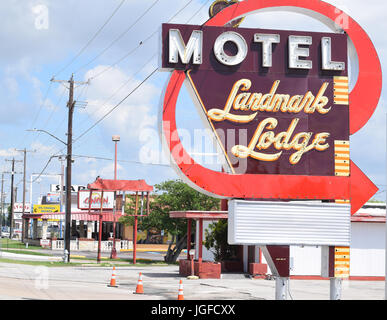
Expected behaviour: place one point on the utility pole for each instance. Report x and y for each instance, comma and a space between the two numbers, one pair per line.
70, 105
24, 187
2, 203
62, 200
12, 194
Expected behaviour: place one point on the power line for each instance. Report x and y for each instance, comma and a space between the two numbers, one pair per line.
179, 11
91, 40
96, 123
139, 45
111, 110
200, 9
126, 161
45, 167
119, 89
83, 92
126, 82
119, 37
38, 113
50, 116
118, 104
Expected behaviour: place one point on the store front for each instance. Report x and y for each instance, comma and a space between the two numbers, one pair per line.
47, 229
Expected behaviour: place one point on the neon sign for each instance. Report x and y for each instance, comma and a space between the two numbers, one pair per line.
286, 96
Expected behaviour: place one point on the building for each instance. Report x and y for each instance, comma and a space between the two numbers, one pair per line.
367, 250
44, 225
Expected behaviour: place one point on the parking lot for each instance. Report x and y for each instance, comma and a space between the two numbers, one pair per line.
18, 281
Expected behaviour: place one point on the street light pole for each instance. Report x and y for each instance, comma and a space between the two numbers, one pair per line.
113, 254
115, 139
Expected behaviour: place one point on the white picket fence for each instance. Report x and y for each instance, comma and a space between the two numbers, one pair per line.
106, 246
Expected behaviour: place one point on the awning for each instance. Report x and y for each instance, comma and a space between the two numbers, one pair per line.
106, 216
120, 185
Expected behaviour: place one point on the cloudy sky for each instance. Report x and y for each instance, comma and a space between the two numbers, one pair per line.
113, 44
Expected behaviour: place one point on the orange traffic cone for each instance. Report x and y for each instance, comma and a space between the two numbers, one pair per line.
139, 288
180, 296
113, 279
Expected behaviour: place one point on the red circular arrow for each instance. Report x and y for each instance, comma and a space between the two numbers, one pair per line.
368, 87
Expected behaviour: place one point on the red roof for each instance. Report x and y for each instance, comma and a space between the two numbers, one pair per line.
120, 185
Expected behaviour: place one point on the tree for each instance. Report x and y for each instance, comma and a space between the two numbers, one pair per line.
173, 195
216, 241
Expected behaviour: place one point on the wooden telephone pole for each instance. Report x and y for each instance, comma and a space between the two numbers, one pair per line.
1, 203
12, 193
24, 188
71, 106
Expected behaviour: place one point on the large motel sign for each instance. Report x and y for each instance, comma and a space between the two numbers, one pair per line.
277, 102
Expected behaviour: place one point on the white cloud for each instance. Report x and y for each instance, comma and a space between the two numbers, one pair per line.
11, 85
98, 169
11, 152
133, 115
43, 149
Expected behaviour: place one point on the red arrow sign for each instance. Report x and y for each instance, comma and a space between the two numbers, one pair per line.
357, 187
361, 188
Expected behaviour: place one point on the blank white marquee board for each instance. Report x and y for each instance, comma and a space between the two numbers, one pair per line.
288, 223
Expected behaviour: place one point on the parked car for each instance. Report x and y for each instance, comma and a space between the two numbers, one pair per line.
5, 232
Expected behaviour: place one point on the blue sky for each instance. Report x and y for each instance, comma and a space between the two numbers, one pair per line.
40, 38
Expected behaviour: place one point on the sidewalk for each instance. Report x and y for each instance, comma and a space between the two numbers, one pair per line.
150, 247
18, 256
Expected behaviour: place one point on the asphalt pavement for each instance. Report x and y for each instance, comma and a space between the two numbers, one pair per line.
19, 281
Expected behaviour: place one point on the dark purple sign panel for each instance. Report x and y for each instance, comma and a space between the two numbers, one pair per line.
277, 101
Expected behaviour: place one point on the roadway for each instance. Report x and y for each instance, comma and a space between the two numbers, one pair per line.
18, 281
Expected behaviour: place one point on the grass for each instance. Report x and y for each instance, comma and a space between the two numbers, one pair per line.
6, 244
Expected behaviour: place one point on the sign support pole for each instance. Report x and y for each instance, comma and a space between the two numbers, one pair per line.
385, 234
278, 258
335, 288
281, 288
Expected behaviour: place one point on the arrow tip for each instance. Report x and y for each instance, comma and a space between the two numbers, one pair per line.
362, 188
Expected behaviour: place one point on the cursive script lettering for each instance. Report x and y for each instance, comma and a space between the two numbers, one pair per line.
263, 140
242, 100
269, 102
